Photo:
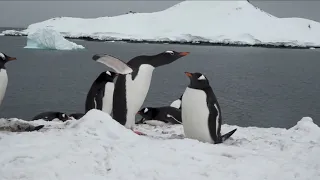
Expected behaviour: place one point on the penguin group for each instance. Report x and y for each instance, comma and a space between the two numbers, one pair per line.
122, 93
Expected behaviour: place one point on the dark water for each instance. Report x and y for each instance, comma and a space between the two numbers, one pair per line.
255, 86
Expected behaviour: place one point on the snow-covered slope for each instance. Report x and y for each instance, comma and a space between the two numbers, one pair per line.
228, 22
98, 148
45, 38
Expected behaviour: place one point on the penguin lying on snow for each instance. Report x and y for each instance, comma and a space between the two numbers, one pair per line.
201, 113
165, 114
100, 95
133, 82
3, 74
51, 115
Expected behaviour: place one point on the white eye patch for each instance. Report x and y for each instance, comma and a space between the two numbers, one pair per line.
146, 110
2, 56
170, 52
108, 73
201, 77
63, 115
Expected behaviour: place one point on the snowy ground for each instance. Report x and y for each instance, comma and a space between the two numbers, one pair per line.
224, 22
97, 147
46, 38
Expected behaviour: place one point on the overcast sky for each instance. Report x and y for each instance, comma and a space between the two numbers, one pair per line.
23, 13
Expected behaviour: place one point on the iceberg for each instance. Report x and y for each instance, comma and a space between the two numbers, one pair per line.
235, 22
97, 147
45, 38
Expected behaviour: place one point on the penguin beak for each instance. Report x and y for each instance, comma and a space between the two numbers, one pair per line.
138, 112
184, 53
188, 74
11, 58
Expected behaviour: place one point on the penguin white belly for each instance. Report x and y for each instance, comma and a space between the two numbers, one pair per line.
136, 92
195, 114
176, 104
3, 83
108, 98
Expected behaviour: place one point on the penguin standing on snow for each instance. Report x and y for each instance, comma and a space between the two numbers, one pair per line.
100, 95
201, 113
3, 74
133, 82
166, 114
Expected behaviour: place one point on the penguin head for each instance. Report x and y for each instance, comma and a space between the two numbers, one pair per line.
148, 112
197, 80
5, 58
167, 57
106, 76
63, 116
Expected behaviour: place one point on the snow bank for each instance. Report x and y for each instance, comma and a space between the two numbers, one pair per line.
226, 22
45, 38
97, 147
1, 34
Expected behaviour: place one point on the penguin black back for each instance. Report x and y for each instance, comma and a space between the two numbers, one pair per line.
50, 115
166, 114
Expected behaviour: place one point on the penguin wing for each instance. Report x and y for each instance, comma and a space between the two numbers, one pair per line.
116, 64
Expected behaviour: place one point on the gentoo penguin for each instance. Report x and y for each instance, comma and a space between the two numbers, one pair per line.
76, 115
3, 74
166, 114
133, 82
201, 113
100, 95
51, 115
177, 103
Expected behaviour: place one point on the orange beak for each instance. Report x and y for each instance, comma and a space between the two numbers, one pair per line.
188, 74
11, 58
184, 53
138, 112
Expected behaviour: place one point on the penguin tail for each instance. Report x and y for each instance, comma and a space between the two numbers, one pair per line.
227, 135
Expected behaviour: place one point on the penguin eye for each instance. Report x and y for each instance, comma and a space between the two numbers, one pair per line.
202, 77
3, 57
170, 52
146, 110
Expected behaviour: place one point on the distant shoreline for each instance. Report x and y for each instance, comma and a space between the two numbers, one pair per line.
186, 43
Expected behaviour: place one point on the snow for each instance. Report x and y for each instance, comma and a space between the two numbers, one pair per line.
97, 147
45, 38
227, 22
1, 34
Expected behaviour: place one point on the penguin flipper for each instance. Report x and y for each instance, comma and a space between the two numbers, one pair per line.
227, 135
116, 64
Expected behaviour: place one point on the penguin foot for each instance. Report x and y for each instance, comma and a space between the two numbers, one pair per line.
139, 133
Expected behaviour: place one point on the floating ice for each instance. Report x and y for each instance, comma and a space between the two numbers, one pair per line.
45, 38
226, 22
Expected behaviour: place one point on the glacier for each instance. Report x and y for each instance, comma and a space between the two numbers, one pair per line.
45, 38
97, 147
235, 22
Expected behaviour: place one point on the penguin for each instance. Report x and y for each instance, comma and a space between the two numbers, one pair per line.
51, 115
3, 74
166, 114
201, 113
100, 95
133, 82
76, 116
177, 103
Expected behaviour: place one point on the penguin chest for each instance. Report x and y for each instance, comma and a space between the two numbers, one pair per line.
136, 91
3, 83
195, 114
107, 99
